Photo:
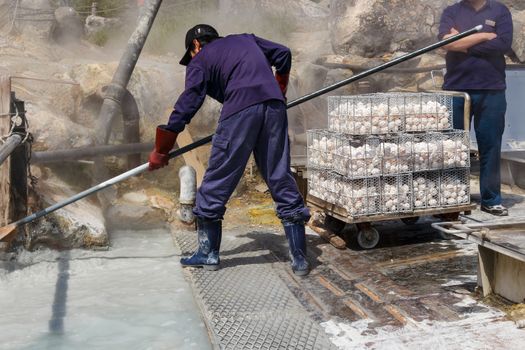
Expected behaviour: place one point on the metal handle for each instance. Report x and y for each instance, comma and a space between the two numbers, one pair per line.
452, 227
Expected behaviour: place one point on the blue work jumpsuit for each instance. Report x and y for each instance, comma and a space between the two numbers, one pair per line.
237, 71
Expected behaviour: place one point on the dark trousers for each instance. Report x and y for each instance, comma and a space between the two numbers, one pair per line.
488, 111
263, 130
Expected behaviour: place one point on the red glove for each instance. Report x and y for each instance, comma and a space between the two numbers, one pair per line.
164, 142
282, 80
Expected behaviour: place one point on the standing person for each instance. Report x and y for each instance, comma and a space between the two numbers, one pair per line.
236, 70
476, 65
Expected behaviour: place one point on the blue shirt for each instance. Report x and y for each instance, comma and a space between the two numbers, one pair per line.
236, 71
483, 66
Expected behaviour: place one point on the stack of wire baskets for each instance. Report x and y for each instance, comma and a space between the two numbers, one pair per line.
389, 153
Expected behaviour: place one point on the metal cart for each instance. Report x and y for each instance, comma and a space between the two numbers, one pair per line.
367, 236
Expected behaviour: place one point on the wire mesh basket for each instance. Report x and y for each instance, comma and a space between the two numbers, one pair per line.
321, 148
364, 115
456, 149
361, 197
396, 154
426, 189
386, 113
427, 112
358, 197
454, 187
357, 157
396, 194
324, 185
428, 151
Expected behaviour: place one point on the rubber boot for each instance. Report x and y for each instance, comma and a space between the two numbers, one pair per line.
296, 236
209, 234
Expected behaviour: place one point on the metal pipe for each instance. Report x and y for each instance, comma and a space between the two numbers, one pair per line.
90, 152
357, 68
117, 88
9, 146
131, 119
188, 191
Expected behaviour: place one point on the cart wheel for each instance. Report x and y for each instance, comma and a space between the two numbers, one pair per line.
410, 221
334, 224
367, 237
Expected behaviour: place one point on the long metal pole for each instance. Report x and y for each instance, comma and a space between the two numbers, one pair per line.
9, 228
90, 152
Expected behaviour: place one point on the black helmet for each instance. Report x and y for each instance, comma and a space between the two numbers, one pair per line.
199, 31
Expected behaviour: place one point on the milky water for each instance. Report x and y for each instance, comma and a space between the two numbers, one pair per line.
133, 296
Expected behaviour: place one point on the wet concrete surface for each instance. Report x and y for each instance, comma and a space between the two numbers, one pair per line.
132, 296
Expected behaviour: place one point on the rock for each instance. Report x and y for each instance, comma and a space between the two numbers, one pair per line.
95, 24
262, 187
374, 28
518, 45
63, 135
140, 210
78, 225
307, 77
361, 61
308, 46
302, 15
69, 26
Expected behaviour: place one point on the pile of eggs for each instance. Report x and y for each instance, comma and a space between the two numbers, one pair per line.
391, 194
455, 154
393, 117
357, 197
396, 157
344, 156
396, 194
454, 188
427, 155
426, 190
365, 119
373, 157
426, 116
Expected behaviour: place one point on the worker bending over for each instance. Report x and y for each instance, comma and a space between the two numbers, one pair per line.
236, 70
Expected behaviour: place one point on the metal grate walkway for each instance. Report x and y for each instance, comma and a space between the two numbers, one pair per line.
246, 304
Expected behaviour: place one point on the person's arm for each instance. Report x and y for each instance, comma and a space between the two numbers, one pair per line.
464, 44
447, 29
500, 45
187, 105
280, 57
189, 101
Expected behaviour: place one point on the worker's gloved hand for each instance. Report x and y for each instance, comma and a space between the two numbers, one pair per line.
282, 80
164, 142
